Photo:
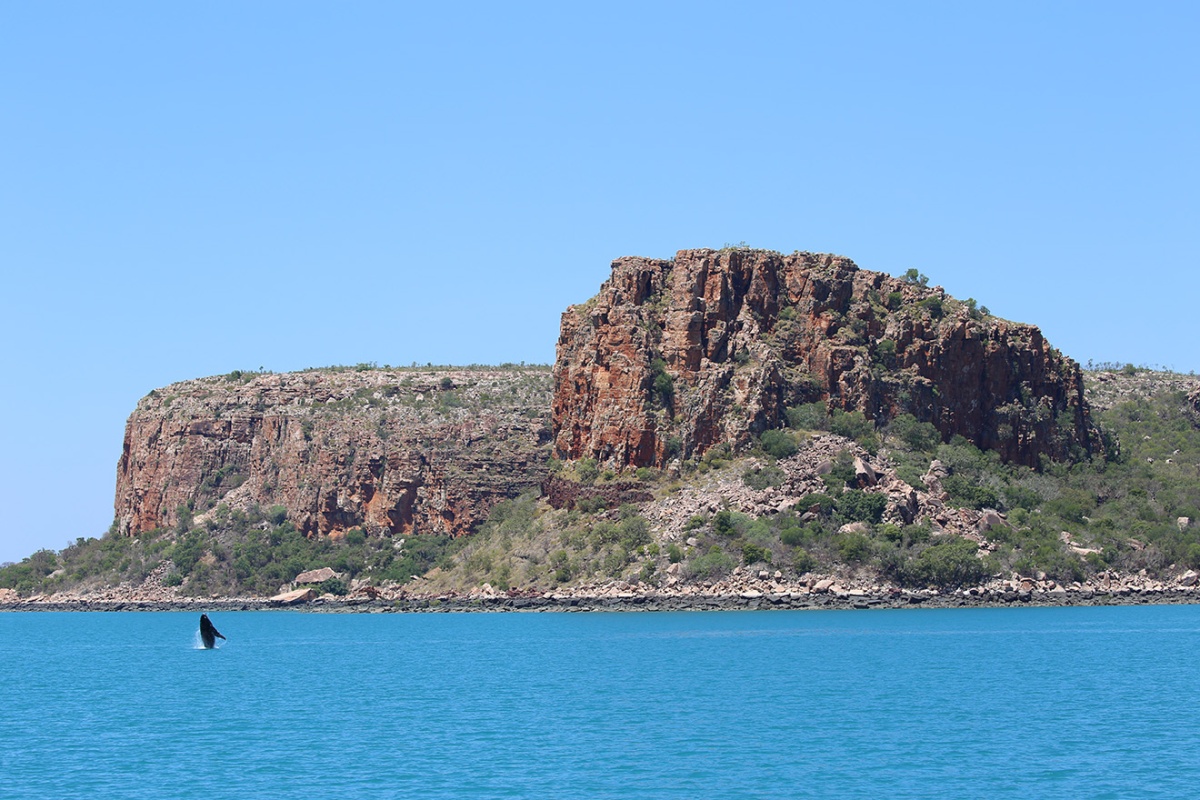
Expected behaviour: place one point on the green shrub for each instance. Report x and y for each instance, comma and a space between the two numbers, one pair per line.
730, 523
809, 417
793, 536
854, 425
841, 474
754, 554
948, 564
615, 561
920, 436
634, 532
560, 562
713, 564
778, 443
802, 561
820, 503
858, 506
885, 353
674, 446
966, 492
587, 470
334, 586
590, 505
663, 384
853, 548
674, 553
763, 477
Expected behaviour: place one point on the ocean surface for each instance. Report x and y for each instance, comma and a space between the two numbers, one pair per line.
988, 703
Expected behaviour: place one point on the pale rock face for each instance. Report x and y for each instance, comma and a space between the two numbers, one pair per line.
674, 357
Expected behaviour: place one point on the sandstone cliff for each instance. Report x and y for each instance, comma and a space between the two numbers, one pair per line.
675, 356
392, 451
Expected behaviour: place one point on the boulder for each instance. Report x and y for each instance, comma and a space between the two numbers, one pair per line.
316, 575
991, 519
294, 597
864, 474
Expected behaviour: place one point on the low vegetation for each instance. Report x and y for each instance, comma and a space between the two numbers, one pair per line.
253, 553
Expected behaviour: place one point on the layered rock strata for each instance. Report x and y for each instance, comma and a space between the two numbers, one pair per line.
390, 451
673, 357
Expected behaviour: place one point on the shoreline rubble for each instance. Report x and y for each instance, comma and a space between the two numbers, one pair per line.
738, 592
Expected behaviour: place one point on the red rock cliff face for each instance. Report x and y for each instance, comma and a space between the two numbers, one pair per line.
673, 357
394, 452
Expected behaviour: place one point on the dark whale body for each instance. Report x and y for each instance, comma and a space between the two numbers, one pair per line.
208, 632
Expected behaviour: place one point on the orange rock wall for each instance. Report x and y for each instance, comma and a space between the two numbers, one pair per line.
743, 334
394, 452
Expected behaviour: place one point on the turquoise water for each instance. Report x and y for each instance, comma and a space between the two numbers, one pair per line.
1078, 702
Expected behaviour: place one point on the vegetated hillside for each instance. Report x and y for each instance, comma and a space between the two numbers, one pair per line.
829, 493
833, 494
674, 357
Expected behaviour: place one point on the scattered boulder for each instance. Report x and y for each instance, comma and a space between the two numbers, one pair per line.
991, 519
864, 473
294, 597
316, 575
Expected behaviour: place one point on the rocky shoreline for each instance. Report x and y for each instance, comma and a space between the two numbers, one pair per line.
747, 600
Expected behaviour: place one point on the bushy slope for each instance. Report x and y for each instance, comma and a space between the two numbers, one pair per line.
796, 503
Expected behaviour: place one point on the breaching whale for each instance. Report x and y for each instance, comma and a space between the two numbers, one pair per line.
208, 632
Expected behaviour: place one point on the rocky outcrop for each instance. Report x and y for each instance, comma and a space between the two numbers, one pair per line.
675, 356
390, 451
562, 493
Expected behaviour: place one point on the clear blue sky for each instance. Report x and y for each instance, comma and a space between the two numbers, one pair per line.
192, 188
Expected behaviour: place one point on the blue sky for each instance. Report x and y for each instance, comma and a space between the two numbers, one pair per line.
188, 189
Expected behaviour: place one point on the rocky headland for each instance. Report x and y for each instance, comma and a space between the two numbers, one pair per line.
393, 452
645, 444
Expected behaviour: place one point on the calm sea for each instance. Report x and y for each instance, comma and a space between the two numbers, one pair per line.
989, 703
